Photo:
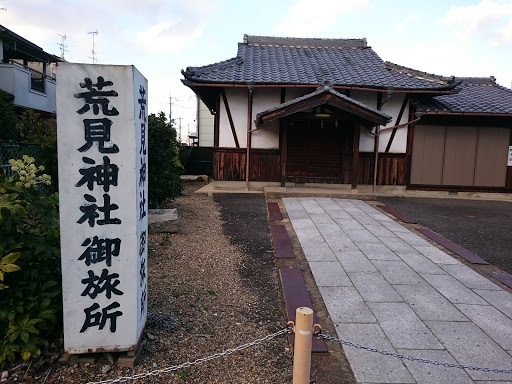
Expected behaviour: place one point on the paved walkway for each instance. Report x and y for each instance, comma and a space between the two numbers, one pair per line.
386, 287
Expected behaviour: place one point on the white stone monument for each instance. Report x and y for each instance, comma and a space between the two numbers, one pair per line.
102, 148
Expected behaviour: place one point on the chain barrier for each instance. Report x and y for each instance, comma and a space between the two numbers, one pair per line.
173, 368
320, 335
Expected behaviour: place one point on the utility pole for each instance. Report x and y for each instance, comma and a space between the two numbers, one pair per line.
94, 59
170, 108
179, 132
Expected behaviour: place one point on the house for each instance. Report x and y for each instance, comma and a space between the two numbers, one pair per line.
303, 110
25, 73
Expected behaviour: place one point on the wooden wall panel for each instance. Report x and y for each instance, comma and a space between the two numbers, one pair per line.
491, 157
459, 156
229, 164
427, 155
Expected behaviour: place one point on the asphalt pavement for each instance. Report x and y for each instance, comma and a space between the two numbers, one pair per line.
483, 227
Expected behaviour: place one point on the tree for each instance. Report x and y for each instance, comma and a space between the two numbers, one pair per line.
165, 166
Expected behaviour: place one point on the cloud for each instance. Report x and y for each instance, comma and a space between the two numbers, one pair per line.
492, 18
407, 20
304, 20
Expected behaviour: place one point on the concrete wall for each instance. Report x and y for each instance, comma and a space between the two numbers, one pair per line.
16, 80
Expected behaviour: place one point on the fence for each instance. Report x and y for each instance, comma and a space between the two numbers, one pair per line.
14, 151
304, 331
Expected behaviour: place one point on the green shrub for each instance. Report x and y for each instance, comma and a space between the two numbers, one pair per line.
30, 278
164, 165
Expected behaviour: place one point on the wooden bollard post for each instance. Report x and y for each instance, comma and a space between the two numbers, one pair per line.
303, 340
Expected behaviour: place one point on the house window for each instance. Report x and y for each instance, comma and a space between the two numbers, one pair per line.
36, 80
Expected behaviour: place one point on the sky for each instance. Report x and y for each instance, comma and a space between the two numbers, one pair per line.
162, 37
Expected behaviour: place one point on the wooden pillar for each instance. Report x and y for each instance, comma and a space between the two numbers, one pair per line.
355, 156
284, 148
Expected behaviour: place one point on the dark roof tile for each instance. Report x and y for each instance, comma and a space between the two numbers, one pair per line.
349, 62
476, 95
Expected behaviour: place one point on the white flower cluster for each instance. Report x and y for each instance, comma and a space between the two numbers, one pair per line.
26, 172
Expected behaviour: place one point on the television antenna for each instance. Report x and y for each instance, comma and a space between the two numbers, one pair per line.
94, 58
62, 46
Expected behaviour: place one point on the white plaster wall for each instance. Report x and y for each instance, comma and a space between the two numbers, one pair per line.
237, 101
391, 108
267, 137
205, 125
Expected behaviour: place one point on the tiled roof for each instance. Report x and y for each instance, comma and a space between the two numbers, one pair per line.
305, 61
476, 95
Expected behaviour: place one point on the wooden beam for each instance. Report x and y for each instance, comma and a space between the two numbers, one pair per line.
230, 118
508, 180
216, 123
284, 149
355, 156
393, 133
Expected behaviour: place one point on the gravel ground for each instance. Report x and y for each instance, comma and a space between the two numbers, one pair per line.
209, 290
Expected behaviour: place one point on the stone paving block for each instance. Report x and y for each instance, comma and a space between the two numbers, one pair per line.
354, 210
396, 244
349, 224
318, 252
371, 367
453, 290
394, 227
376, 251
501, 300
491, 321
329, 274
379, 216
380, 231
420, 263
397, 272
345, 203
297, 214
330, 231
292, 204
435, 254
303, 224
373, 287
345, 305
412, 239
340, 214
428, 303
469, 277
361, 236
309, 236
310, 205
341, 244
355, 261
321, 218
429, 373
469, 345
364, 219
402, 327
328, 204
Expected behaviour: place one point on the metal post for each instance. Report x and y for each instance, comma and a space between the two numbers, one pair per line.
303, 340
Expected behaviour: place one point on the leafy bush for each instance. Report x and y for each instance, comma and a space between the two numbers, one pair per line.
30, 298
165, 166
32, 128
